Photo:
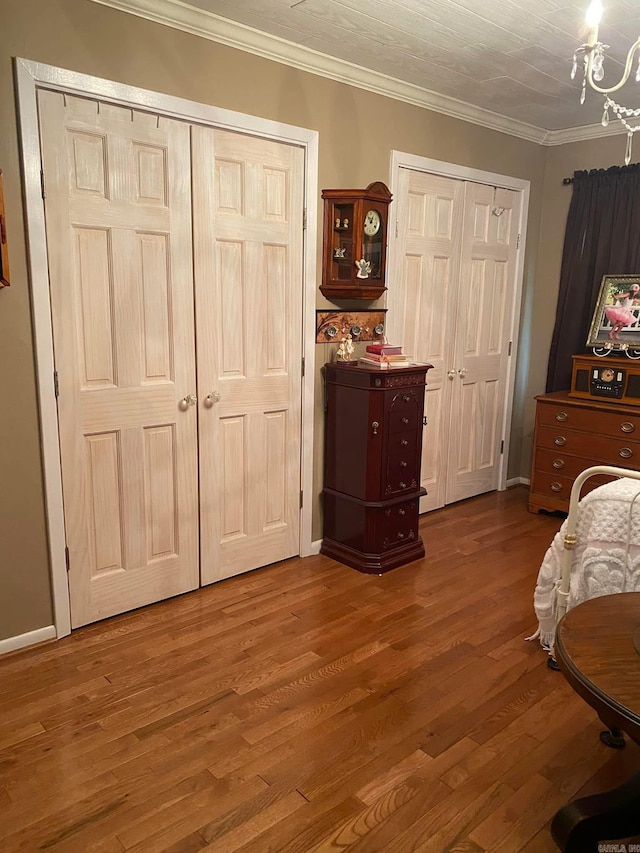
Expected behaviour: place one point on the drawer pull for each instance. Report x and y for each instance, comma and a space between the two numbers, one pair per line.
403, 485
374, 427
405, 421
626, 452
562, 417
400, 535
404, 442
627, 427
403, 464
556, 487
402, 512
558, 463
406, 398
560, 440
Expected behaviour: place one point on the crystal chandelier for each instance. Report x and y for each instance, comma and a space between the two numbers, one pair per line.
592, 54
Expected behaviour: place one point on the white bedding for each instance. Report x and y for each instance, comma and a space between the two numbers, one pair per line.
606, 558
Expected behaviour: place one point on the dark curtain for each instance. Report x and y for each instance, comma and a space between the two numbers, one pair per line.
602, 238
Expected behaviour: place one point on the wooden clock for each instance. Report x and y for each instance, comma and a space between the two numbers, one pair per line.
355, 242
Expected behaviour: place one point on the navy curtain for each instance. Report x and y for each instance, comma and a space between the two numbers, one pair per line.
602, 238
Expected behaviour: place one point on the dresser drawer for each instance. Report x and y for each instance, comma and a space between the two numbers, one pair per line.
402, 465
557, 487
589, 420
611, 451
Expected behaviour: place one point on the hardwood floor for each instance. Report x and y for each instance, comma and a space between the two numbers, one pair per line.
307, 707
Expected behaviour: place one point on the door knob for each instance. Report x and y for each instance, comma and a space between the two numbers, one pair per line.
212, 398
189, 400
462, 372
451, 374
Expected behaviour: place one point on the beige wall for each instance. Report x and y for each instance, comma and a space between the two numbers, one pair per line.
357, 131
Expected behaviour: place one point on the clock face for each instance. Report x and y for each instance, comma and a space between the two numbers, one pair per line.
372, 223
606, 375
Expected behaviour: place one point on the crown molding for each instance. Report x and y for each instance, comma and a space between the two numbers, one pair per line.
580, 134
199, 22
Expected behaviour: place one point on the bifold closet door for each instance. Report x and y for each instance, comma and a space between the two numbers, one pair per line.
430, 212
458, 246
248, 237
480, 351
118, 218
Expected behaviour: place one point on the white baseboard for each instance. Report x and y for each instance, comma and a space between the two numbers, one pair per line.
518, 481
28, 639
315, 546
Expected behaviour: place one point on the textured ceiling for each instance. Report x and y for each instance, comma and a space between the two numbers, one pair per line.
512, 57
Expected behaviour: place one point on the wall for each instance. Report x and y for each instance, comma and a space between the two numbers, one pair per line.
357, 131
562, 162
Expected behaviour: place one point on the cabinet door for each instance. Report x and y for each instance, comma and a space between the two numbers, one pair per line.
118, 217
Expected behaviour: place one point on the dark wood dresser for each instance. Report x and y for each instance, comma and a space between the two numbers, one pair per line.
573, 434
373, 444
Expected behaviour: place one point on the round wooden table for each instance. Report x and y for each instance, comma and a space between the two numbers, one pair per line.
597, 651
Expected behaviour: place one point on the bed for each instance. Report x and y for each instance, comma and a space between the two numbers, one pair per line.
595, 552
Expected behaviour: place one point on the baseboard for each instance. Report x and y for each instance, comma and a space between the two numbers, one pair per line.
28, 639
315, 546
518, 481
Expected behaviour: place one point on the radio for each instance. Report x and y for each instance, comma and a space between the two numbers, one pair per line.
614, 379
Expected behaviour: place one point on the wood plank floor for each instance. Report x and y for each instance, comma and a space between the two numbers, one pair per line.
307, 707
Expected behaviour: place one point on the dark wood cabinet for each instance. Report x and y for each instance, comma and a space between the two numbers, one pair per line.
355, 242
573, 434
373, 441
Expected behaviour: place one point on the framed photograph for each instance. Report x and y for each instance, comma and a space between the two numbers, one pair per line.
4, 253
616, 319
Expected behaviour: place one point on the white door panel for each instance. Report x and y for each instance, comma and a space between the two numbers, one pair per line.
248, 202
118, 214
458, 253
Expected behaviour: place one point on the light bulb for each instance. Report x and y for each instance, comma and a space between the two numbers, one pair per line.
594, 14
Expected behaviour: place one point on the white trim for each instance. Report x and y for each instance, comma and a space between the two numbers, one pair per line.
401, 160
518, 481
315, 546
40, 635
205, 24
33, 75
580, 134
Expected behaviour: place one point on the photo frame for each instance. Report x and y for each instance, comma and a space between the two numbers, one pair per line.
4, 252
616, 318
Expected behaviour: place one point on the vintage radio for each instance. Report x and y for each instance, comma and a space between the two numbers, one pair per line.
611, 379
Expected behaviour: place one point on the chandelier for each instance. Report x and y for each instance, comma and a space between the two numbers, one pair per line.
592, 54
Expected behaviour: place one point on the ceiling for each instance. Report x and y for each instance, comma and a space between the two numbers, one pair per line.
509, 57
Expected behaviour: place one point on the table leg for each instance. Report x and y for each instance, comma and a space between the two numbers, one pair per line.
581, 824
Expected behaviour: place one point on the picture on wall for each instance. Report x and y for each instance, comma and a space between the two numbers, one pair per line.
616, 319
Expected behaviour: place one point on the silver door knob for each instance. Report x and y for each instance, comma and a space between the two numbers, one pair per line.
462, 372
212, 398
451, 374
189, 400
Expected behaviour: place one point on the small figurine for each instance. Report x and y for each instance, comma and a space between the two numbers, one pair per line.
345, 223
339, 253
338, 222
345, 349
349, 347
364, 268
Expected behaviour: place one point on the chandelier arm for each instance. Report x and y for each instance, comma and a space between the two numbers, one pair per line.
625, 75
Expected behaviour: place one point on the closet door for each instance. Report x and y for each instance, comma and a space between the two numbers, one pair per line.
429, 215
480, 351
118, 218
454, 307
248, 204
